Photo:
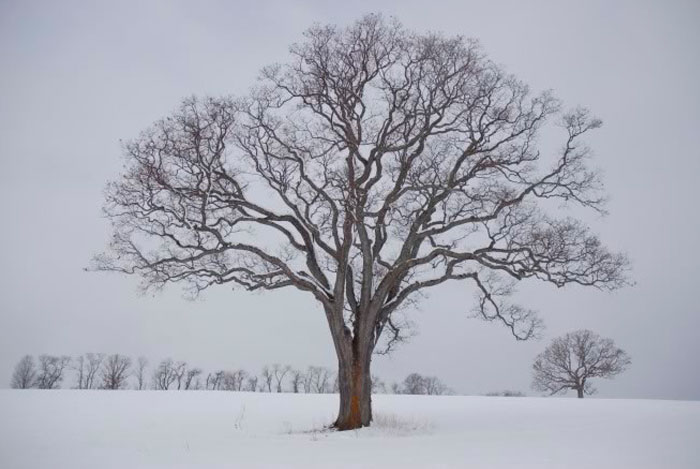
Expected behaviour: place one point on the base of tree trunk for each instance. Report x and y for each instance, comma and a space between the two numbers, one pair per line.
354, 420
354, 384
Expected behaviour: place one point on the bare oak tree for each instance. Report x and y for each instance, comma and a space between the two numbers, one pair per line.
569, 362
24, 375
374, 165
115, 371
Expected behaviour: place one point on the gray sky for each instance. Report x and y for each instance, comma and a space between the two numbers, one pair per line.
76, 77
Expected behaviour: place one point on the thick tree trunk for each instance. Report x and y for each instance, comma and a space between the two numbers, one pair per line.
355, 386
579, 391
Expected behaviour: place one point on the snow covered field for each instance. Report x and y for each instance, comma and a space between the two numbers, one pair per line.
129, 429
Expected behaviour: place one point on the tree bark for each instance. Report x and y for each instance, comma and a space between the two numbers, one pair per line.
579, 391
355, 387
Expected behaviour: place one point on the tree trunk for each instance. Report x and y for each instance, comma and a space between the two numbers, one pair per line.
579, 391
355, 386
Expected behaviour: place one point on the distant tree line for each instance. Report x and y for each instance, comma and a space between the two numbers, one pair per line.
506, 393
117, 371
570, 362
418, 384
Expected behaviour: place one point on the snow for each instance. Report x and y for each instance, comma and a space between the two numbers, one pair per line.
170, 429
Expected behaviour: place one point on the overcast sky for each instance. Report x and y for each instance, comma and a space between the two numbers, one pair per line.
76, 77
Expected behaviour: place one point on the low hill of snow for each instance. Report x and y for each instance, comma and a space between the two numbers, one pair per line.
165, 429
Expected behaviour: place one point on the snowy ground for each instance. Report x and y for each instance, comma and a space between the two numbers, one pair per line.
130, 429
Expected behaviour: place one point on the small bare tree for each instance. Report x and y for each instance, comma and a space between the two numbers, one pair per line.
318, 380
234, 380
115, 371
435, 387
268, 377
192, 381
165, 375
413, 384
140, 373
78, 364
307, 381
571, 361
24, 376
87, 367
93, 363
416, 383
279, 372
180, 370
297, 378
378, 386
375, 165
252, 384
51, 371
214, 381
